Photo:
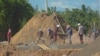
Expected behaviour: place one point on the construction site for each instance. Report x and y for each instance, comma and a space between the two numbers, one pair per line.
23, 43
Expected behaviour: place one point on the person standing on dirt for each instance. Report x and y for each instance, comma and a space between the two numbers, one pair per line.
40, 35
9, 35
57, 27
50, 33
80, 32
55, 33
69, 32
94, 33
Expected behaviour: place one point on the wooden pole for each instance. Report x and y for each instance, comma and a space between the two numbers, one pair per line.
46, 6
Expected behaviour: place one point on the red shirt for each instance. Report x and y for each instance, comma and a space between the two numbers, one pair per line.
9, 33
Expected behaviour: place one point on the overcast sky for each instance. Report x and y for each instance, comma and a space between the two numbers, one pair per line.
62, 4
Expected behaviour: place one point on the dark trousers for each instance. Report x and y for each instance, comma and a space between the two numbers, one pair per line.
81, 38
8, 40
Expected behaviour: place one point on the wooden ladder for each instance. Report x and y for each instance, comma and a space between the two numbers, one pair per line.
59, 23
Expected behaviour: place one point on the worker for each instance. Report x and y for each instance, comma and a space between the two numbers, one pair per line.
57, 27
50, 33
56, 30
40, 35
9, 35
80, 32
69, 33
94, 33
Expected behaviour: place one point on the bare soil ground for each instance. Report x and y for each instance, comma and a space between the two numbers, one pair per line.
10, 50
90, 50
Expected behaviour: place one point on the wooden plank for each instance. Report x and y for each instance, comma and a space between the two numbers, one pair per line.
44, 47
59, 23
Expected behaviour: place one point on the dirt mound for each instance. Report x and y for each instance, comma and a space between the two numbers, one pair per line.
91, 49
29, 32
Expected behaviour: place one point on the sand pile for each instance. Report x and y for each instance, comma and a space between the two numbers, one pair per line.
29, 32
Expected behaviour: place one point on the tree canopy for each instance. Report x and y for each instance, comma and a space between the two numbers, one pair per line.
85, 16
14, 13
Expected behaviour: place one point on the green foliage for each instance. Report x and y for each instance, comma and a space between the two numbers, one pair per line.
14, 13
85, 16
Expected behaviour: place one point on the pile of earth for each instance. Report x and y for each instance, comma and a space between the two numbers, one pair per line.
28, 33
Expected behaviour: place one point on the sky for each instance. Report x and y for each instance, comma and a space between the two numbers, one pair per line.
62, 4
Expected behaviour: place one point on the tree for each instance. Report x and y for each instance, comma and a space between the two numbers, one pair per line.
14, 13
85, 16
